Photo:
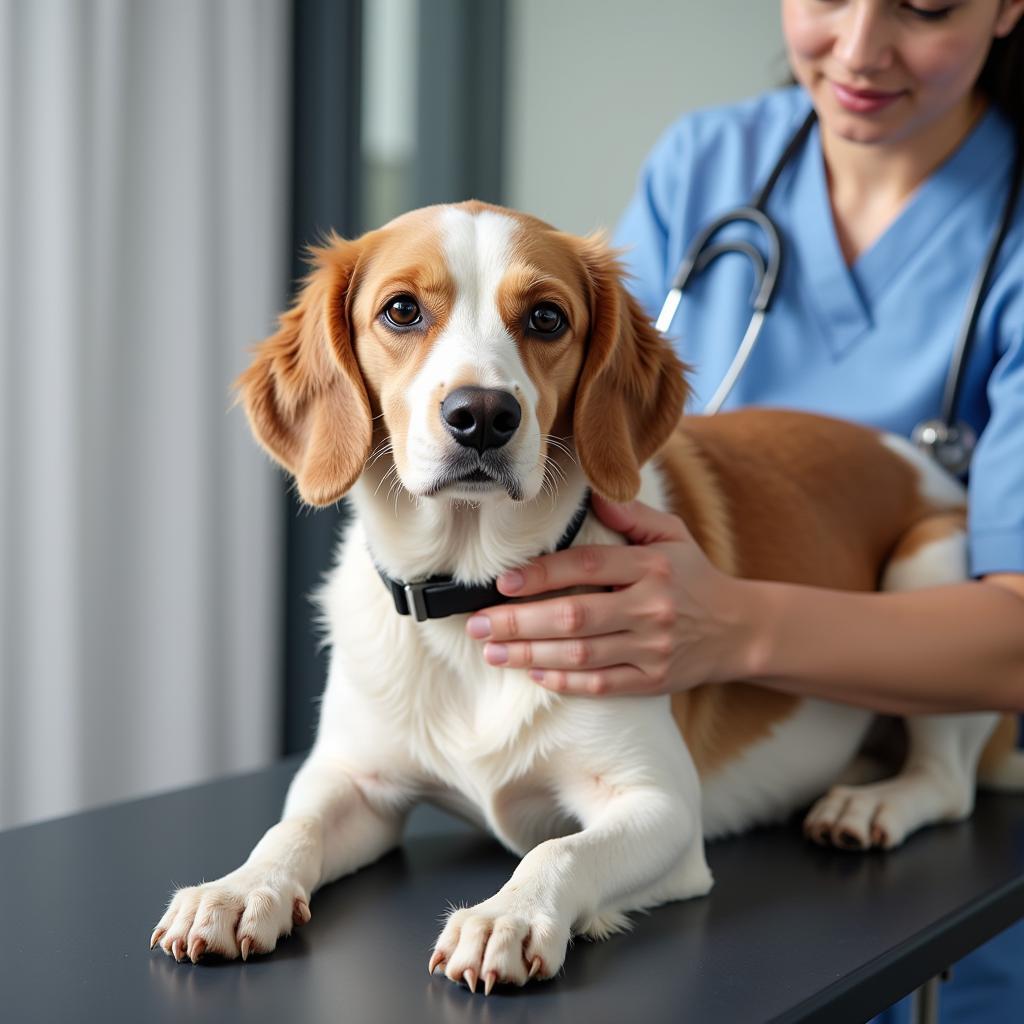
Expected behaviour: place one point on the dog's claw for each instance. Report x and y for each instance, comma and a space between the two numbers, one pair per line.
158, 933
197, 950
176, 950
535, 966
489, 979
300, 912
246, 946
469, 977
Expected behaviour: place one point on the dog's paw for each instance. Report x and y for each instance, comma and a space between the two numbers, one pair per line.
850, 820
497, 942
883, 814
242, 913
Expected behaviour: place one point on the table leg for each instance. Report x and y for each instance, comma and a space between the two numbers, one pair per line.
925, 1006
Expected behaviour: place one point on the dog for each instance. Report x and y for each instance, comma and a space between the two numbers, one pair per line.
465, 374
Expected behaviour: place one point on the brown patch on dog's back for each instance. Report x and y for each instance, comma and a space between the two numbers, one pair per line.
695, 495
817, 502
822, 502
720, 722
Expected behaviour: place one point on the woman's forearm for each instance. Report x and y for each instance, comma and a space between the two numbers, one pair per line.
942, 649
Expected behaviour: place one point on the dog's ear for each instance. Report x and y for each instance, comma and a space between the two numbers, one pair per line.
304, 393
632, 387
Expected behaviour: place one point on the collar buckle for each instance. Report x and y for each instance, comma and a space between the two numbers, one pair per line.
450, 598
415, 600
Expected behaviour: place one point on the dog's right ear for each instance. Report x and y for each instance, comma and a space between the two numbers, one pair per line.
304, 393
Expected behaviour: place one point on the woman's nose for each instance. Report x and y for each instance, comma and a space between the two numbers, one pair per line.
864, 42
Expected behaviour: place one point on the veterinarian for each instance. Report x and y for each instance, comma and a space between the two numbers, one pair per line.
886, 208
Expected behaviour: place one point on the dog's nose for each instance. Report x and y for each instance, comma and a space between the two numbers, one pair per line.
481, 418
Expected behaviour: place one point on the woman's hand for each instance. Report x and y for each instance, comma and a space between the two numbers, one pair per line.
671, 622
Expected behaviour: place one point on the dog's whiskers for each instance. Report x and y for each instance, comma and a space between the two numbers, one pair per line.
393, 469
396, 489
559, 470
545, 486
548, 483
559, 443
551, 464
382, 449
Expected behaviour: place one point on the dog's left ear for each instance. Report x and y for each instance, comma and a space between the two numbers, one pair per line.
632, 387
304, 392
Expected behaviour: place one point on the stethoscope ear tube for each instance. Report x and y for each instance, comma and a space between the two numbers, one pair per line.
766, 278
766, 270
737, 364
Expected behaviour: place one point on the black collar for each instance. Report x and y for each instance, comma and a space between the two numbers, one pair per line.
440, 596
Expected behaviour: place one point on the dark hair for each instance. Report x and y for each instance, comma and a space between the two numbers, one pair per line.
1002, 77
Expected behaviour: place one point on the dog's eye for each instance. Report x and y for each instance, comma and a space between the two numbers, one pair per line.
547, 319
402, 311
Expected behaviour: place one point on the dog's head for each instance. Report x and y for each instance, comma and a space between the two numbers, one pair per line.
474, 341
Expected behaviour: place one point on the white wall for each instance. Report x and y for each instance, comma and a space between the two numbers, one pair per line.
593, 83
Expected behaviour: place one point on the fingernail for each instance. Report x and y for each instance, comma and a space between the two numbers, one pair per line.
496, 654
537, 675
511, 580
479, 626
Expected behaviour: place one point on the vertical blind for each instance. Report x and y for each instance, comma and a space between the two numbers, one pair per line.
143, 249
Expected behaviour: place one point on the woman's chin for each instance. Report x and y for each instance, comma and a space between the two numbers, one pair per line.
864, 129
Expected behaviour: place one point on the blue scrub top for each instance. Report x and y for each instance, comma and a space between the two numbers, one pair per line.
870, 343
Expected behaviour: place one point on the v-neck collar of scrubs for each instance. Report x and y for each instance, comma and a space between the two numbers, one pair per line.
845, 296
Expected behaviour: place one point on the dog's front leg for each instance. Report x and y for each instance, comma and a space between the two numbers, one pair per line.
332, 824
641, 844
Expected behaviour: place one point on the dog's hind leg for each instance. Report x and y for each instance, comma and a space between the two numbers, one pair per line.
936, 784
937, 781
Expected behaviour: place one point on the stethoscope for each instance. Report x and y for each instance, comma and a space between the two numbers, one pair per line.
946, 439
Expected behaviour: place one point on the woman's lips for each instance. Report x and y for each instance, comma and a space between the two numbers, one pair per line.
863, 101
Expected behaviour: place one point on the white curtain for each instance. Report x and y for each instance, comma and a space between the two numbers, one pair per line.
143, 249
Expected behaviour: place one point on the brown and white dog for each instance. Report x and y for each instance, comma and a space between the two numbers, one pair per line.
559, 383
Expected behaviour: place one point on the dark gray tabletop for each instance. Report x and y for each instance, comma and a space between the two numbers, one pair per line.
790, 933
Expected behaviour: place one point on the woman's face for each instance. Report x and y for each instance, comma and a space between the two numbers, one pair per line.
878, 71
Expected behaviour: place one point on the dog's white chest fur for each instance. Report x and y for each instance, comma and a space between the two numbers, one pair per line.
419, 700
434, 715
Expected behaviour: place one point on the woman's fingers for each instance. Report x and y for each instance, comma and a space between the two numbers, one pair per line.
638, 522
594, 643
618, 680
594, 565
582, 652
575, 615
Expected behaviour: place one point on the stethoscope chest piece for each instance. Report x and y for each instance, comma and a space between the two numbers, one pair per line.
951, 445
